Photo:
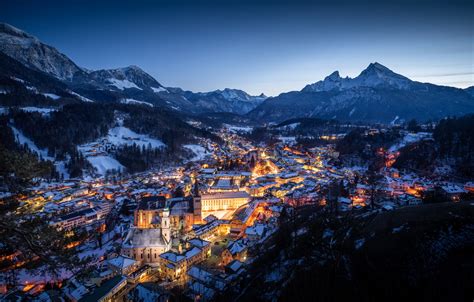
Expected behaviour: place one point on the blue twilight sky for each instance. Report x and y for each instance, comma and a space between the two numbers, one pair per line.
258, 46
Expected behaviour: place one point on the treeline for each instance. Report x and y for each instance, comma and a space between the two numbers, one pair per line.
163, 124
18, 166
453, 144
138, 159
359, 144
61, 131
455, 137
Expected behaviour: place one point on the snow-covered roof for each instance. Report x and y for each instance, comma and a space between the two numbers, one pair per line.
122, 262
199, 242
173, 257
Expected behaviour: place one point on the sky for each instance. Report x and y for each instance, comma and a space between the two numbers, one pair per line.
257, 46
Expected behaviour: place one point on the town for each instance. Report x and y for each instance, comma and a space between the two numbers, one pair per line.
193, 231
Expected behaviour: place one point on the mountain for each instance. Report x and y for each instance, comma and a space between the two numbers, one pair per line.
22, 86
375, 75
129, 85
35, 54
376, 95
126, 78
227, 100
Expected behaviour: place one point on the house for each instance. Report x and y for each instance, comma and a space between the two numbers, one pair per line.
203, 284
123, 265
174, 265
235, 267
235, 250
75, 290
148, 291
256, 232
453, 191
108, 291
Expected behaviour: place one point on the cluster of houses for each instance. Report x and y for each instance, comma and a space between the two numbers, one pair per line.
197, 228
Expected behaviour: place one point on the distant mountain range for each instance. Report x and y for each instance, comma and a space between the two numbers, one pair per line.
30, 67
113, 85
377, 95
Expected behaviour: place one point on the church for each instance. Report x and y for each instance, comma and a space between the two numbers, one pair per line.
149, 237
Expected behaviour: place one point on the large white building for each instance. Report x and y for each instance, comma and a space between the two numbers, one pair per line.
223, 201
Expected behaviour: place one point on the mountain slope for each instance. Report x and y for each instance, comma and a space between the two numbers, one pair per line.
129, 84
376, 95
35, 54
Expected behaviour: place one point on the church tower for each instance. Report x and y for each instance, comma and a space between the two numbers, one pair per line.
165, 225
196, 203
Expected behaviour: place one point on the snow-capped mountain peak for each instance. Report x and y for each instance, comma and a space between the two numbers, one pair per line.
29, 51
373, 76
126, 78
376, 74
331, 82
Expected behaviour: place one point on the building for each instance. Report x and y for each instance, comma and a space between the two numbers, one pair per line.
148, 211
109, 291
223, 201
204, 285
174, 265
76, 219
236, 250
145, 245
123, 265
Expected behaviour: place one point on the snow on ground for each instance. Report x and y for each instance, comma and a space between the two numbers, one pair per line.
199, 152
122, 84
40, 276
125, 136
51, 96
82, 98
160, 89
409, 139
102, 163
22, 139
236, 129
43, 111
135, 102
3, 91
394, 120
95, 152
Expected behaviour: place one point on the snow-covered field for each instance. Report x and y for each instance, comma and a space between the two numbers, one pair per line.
22, 139
83, 98
409, 139
96, 152
43, 111
200, 152
161, 89
135, 102
236, 129
122, 84
291, 126
124, 136
102, 163
51, 96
